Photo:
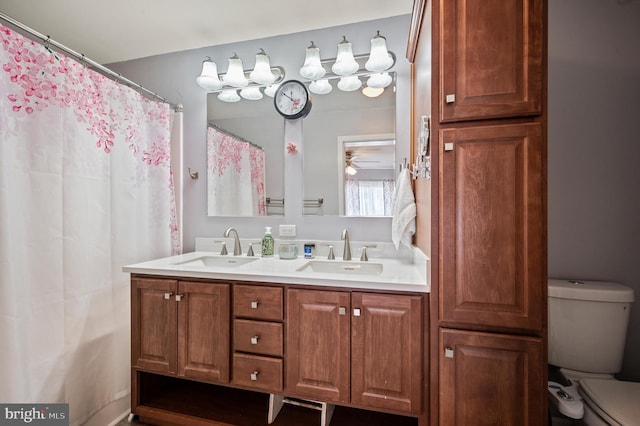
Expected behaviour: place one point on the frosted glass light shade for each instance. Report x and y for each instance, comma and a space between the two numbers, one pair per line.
379, 57
270, 90
320, 87
349, 84
235, 74
261, 73
208, 78
229, 95
345, 62
312, 68
251, 93
381, 80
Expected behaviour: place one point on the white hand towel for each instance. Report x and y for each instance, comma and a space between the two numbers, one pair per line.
403, 223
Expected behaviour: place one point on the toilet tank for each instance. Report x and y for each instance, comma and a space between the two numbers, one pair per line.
588, 324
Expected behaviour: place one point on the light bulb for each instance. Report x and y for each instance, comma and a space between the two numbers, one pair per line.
251, 93
235, 73
320, 87
229, 95
379, 57
345, 63
208, 78
312, 68
381, 80
350, 170
261, 73
349, 84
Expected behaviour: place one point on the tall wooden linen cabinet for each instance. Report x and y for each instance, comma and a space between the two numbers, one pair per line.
479, 75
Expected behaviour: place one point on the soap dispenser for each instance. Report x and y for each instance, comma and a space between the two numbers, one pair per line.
267, 242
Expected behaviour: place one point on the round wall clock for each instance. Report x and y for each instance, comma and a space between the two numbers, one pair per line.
292, 99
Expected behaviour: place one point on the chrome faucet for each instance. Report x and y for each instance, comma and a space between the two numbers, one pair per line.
237, 249
346, 254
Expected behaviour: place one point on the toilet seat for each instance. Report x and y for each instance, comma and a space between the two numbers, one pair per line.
617, 402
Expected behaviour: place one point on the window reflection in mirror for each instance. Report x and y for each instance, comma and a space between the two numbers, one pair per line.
367, 182
350, 121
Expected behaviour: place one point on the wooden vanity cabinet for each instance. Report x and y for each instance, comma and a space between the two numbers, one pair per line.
362, 347
180, 328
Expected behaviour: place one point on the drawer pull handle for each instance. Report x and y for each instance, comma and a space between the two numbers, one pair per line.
254, 304
254, 340
254, 375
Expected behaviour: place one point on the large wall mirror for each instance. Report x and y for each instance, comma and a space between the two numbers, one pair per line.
341, 126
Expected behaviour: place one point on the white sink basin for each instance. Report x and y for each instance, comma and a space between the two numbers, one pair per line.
218, 261
342, 267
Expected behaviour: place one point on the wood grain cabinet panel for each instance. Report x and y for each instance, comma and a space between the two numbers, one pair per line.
386, 341
492, 236
490, 379
491, 58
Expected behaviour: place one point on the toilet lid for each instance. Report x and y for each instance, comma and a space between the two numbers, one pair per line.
619, 400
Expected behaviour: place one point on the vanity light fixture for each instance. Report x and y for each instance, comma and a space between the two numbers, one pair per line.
351, 70
372, 92
312, 68
235, 73
263, 75
208, 78
270, 90
379, 57
345, 62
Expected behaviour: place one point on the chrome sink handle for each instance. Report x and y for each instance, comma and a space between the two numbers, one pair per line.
237, 249
363, 256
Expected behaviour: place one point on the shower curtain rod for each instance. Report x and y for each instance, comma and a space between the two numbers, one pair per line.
48, 41
240, 138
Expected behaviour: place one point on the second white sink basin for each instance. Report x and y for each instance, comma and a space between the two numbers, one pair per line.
218, 261
342, 267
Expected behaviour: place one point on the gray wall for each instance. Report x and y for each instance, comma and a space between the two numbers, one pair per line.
594, 148
173, 76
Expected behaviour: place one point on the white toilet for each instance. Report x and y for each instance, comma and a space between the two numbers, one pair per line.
587, 331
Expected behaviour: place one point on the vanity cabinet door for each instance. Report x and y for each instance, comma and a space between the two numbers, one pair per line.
154, 325
203, 331
386, 365
318, 344
490, 379
491, 55
492, 217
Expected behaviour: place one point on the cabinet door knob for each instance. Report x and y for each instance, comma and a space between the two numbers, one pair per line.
179, 297
167, 296
254, 340
254, 376
254, 304
342, 310
448, 352
448, 146
450, 98
356, 312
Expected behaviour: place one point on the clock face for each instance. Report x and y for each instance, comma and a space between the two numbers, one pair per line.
292, 99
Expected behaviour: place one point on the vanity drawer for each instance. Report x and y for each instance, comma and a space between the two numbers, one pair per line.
258, 337
253, 301
257, 372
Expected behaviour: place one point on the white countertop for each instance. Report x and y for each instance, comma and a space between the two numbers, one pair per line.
396, 275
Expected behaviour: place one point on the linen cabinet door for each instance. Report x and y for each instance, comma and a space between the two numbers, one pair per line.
490, 379
318, 344
386, 342
203, 331
492, 227
154, 325
491, 54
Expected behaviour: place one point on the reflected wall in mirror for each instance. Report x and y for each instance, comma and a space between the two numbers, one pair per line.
350, 121
245, 159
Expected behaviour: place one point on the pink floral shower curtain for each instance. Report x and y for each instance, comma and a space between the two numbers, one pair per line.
235, 176
85, 188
